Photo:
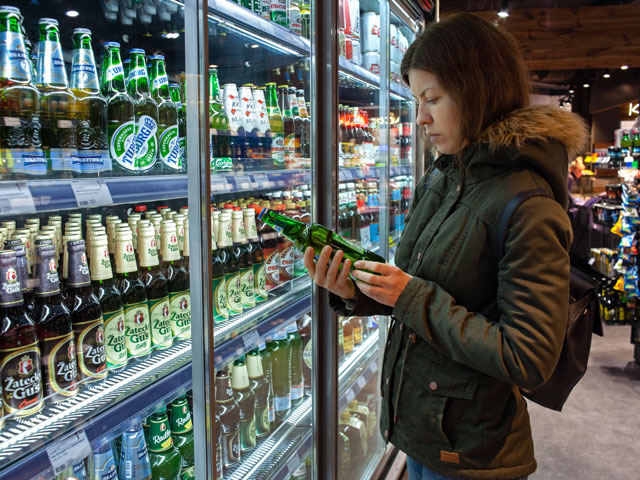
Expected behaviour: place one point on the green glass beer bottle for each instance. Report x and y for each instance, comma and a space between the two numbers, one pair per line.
146, 115
297, 377
305, 235
156, 288
246, 398
231, 267
260, 386
177, 282
58, 104
220, 313
120, 113
174, 90
166, 461
182, 433
93, 156
168, 135
243, 256
110, 303
20, 133
220, 130
265, 357
280, 349
276, 123
257, 255
137, 328
289, 128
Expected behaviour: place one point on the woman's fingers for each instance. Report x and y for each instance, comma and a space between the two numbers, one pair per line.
309, 262
321, 266
342, 276
332, 273
368, 277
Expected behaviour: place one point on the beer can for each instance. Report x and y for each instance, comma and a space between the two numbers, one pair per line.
354, 18
371, 61
370, 27
356, 53
348, 47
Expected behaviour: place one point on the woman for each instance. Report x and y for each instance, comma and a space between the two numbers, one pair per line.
468, 330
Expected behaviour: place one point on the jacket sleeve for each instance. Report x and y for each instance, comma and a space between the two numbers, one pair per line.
362, 306
523, 347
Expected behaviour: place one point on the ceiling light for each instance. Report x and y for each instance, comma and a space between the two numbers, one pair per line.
571, 91
586, 85
72, 13
255, 45
606, 74
624, 67
503, 14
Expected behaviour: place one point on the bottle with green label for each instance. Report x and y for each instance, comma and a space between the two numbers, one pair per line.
220, 130
276, 123
146, 115
220, 312
177, 282
137, 327
182, 433
156, 287
120, 112
280, 349
228, 411
297, 377
168, 134
257, 255
174, 90
92, 118
57, 103
265, 357
243, 256
166, 461
231, 267
20, 133
246, 398
86, 316
260, 386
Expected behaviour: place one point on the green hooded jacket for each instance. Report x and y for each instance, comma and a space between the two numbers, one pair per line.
468, 330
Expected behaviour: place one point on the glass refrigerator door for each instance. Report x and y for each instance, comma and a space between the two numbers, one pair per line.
96, 323
260, 127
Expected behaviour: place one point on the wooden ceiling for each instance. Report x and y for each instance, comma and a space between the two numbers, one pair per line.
589, 37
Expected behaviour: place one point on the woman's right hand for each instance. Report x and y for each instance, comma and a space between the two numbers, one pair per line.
326, 273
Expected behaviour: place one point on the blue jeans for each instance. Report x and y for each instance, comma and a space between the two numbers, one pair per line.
420, 472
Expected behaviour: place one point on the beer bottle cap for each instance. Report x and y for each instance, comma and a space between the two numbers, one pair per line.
174, 85
156, 57
292, 328
9, 9
281, 335
81, 30
136, 51
49, 21
111, 45
140, 208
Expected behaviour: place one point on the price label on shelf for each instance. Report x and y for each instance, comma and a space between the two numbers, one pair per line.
261, 180
69, 451
251, 339
91, 193
16, 198
294, 463
219, 183
361, 383
350, 395
243, 181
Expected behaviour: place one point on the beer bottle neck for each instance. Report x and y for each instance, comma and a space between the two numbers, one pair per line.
138, 82
10, 23
160, 82
224, 392
159, 433
83, 70
51, 69
181, 422
240, 376
112, 74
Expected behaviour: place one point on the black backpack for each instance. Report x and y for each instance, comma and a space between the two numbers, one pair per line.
584, 320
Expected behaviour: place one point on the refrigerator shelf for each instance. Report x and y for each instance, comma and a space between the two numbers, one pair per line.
357, 369
237, 336
362, 173
350, 69
99, 409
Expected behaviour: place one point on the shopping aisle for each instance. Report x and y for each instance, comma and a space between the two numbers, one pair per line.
595, 435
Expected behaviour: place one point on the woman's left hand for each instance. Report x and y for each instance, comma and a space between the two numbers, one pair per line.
385, 287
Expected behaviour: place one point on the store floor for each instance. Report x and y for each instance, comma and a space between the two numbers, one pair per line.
596, 435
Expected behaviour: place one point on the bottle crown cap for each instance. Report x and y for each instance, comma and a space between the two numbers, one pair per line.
50, 21
9, 9
292, 328
111, 45
137, 51
81, 30
174, 85
156, 57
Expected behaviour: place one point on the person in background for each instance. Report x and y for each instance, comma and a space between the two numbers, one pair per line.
575, 172
468, 330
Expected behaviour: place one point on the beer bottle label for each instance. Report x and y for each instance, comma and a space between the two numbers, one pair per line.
290, 146
348, 343
297, 391
234, 293
307, 354
170, 148
357, 335
146, 142
91, 352
279, 12
21, 380
136, 329
102, 464
248, 433
219, 466
220, 313
260, 282
12, 292
180, 308
51, 69
295, 21
272, 267
286, 263
113, 71
14, 63
298, 263
277, 148
160, 318
122, 146
159, 435
231, 448
246, 285
182, 144
159, 82
60, 369
83, 71
263, 425
282, 403
115, 345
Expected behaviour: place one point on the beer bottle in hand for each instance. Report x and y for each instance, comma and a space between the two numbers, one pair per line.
246, 398
20, 372
55, 330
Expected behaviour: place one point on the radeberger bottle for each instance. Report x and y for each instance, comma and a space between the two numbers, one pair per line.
276, 123
246, 398
168, 135
110, 304
220, 313
238, 135
86, 316
177, 282
174, 91
281, 374
92, 117
297, 377
182, 433
257, 255
229, 412
146, 114
55, 331
166, 461
137, 328
156, 288
244, 258
260, 386
219, 127
120, 112
57, 103
20, 133
265, 357
231, 267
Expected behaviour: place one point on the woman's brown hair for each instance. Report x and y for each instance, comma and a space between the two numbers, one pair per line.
478, 64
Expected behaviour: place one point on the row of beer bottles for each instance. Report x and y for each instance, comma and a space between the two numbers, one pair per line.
254, 129
162, 447
259, 392
88, 127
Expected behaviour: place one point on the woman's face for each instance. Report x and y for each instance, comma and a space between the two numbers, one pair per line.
437, 112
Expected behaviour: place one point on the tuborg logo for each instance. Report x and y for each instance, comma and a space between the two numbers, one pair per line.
25, 366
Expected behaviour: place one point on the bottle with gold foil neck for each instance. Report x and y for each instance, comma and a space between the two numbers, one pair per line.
156, 286
177, 282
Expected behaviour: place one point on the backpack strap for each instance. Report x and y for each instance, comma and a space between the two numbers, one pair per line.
507, 213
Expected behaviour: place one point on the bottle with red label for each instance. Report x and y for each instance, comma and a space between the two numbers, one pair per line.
20, 373
269, 242
285, 249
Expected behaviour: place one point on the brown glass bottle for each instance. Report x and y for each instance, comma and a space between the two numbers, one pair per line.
285, 250
347, 335
269, 242
22, 271
20, 371
228, 410
86, 316
243, 256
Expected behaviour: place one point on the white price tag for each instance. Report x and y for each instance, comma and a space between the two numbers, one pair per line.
374, 367
243, 182
219, 184
261, 180
16, 198
251, 339
592, 260
69, 451
361, 383
350, 396
294, 463
91, 193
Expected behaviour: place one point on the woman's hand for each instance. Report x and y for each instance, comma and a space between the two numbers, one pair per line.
386, 287
325, 272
